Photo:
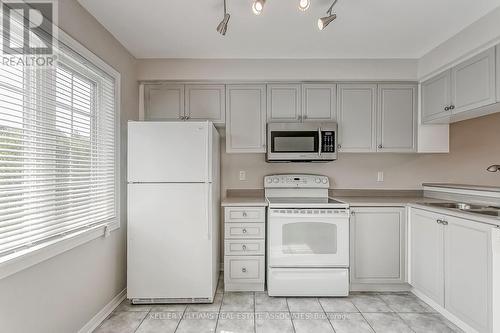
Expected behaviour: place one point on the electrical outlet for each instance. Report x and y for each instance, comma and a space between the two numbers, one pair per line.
380, 176
243, 175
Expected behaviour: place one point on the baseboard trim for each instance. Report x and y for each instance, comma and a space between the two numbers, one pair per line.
448, 315
104, 313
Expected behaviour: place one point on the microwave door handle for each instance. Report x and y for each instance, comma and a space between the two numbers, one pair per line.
320, 139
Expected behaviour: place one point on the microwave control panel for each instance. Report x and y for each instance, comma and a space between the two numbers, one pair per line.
327, 141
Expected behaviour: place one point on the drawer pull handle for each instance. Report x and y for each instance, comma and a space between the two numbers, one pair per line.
244, 270
244, 231
244, 247
244, 214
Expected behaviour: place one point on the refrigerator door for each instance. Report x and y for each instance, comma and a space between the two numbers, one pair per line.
170, 241
169, 152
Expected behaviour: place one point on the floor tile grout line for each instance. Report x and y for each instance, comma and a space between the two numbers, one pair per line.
218, 313
405, 322
331, 325
143, 319
362, 315
290, 313
182, 318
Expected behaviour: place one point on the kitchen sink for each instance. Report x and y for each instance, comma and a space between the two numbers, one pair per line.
455, 205
471, 208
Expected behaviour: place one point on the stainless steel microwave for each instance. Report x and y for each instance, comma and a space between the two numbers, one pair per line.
302, 142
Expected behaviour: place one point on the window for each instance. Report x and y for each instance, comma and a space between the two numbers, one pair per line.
59, 150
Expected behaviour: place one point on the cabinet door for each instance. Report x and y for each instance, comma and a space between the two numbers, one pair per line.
206, 102
246, 119
426, 254
468, 272
397, 118
498, 72
473, 82
436, 96
357, 107
163, 101
378, 245
283, 102
319, 102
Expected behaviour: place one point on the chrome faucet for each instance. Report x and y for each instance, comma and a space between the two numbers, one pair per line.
493, 168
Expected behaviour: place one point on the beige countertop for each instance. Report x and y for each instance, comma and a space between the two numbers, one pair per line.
245, 198
464, 187
386, 201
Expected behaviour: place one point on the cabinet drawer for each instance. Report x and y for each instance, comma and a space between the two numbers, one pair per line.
245, 214
244, 247
244, 230
247, 269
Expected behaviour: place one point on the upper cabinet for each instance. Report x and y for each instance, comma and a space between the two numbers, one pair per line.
357, 117
377, 118
436, 97
397, 118
165, 101
246, 118
498, 72
319, 102
206, 102
301, 102
456, 93
473, 82
284, 102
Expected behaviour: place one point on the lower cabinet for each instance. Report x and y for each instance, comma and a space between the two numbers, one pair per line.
378, 245
453, 263
244, 248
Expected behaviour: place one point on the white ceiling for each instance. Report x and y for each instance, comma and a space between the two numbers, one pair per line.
363, 29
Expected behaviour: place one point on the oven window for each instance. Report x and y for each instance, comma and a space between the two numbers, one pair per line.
309, 238
294, 142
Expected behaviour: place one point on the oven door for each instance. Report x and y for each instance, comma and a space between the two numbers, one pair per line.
308, 237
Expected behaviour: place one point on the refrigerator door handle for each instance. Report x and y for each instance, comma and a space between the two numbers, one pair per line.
209, 212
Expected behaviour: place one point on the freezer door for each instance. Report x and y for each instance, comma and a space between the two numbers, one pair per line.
169, 241
169, 152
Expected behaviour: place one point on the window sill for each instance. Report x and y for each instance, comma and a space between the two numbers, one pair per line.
24, 259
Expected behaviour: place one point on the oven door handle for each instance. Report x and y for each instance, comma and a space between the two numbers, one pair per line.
320, 141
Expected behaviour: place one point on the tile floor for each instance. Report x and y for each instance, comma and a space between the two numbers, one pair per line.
248, 312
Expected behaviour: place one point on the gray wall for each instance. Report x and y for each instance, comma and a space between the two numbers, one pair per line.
63, 293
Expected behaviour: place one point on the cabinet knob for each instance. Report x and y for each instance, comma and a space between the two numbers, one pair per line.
244, 270
443, 222
244, 231
305, 117
380, 146
244, 214
452, 107
446, 108
244, 247
339, 146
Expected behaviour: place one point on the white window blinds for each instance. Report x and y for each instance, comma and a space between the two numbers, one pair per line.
58, 151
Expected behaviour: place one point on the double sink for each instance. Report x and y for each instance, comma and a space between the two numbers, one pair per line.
465, 207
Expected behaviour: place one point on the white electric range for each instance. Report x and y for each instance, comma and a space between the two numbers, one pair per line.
308, 237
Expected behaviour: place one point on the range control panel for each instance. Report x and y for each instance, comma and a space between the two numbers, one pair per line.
296, 181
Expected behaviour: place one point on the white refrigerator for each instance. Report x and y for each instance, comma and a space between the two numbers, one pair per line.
173, 212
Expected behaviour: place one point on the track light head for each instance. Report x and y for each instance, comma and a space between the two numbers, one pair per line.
304, 5
258, 6
222, 27
324, 21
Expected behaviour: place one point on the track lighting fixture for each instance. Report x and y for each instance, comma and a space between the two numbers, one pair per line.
304, 5
324, 21
258, 6
222, 27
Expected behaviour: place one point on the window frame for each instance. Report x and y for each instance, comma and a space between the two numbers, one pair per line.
16, 262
